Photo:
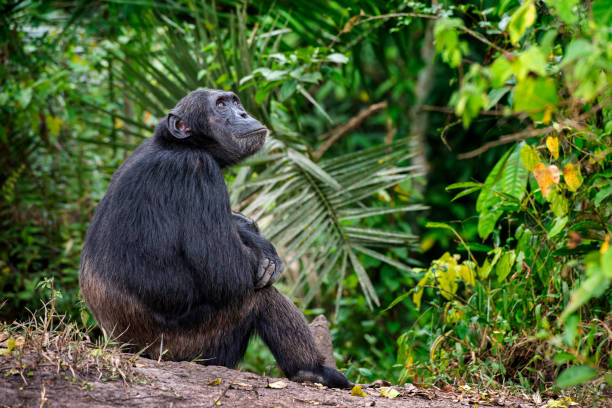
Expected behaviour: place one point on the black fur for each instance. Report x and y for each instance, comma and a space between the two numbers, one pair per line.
168, 267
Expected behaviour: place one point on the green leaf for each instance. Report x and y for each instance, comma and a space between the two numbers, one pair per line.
576, 49
504, 266
312, 168
485, 270
397, 300
487, 221
438, 225
604, 193
602, 12
465, 192
558, 203
565, 10
532, 60
606, 263
288, 89
507, 180
486, 198
529, 157
535, 97
576, 375
596, 284
501, 71
557, 227
463, 184
495, 96
521, 20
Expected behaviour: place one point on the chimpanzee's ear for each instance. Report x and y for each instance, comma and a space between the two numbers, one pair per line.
177, 128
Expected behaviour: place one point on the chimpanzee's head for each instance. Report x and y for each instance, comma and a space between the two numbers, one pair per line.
216, 121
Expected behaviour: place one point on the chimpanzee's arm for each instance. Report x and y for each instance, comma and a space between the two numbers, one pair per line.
270, 265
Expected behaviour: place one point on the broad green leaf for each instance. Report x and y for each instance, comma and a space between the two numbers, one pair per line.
486, 198
537, 97
521, 20
532, 60
486, 222
501, 71
604, 193
504, 266
595, 285
606, 260
487, 267
288, 89
529, 157
602, 12
558, 203
576, 375
495, 96
507, 180
576, 49
565, 9
446, 39
557, 226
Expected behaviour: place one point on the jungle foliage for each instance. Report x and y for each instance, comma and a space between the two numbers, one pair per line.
438, 177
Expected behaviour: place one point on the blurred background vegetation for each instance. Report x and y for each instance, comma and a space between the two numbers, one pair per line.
438, 177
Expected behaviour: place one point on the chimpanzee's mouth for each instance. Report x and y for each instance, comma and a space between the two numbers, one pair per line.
262, 131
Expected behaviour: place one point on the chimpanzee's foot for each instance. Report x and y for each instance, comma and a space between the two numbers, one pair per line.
327, 376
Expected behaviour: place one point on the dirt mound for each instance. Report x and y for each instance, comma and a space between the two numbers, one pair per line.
185, 384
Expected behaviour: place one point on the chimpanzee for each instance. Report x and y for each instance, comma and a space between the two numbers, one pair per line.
169, 268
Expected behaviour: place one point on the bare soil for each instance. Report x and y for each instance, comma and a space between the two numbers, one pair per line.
32, 381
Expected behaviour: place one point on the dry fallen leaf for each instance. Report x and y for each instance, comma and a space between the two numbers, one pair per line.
215, 382
240, 386
544, 178
388, 392
358, 392
277, 385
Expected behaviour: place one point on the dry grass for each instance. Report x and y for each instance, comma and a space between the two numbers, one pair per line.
51, 339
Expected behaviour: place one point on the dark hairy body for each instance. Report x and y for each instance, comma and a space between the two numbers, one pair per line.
169, 268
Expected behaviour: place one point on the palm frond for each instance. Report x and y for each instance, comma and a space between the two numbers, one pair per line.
312, 212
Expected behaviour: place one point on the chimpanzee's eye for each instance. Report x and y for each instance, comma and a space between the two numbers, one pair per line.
220, 103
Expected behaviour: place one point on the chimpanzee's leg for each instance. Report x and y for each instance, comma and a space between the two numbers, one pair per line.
284, 330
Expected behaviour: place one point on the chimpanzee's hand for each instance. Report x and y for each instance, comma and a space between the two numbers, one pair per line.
269, 268
243, 222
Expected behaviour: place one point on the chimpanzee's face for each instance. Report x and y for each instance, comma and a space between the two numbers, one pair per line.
217, 120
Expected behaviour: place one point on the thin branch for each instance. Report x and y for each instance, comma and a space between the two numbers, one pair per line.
435, 17
352, 124
482, 39
513, 137
395, 15
443, 109
526, 134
